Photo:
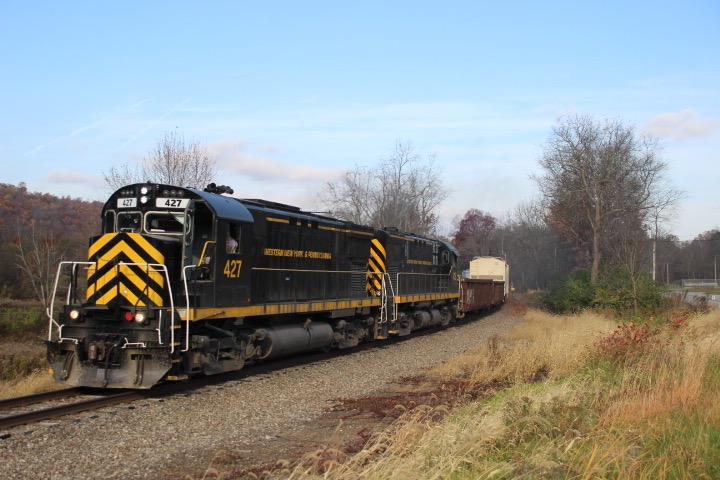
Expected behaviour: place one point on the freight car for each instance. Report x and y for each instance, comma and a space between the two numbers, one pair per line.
183, 281
484, 285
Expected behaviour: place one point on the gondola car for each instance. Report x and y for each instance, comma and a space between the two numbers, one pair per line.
185, 282
484, 285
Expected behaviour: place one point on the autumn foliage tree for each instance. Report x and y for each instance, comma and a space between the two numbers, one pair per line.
474, 235
36, 231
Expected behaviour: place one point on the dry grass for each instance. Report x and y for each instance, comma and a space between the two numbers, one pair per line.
23, 368
671, 375
664, 418
543, 346
36, 382
567, 411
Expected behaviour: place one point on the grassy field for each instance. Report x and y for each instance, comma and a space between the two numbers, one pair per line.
23, 368
559, 397
576, 397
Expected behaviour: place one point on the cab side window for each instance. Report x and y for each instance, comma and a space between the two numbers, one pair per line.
232, 242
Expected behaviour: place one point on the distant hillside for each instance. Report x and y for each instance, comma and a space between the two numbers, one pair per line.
35, 219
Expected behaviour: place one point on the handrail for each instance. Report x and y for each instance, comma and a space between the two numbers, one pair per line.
74, 272
187, 311
49, 311
202, 254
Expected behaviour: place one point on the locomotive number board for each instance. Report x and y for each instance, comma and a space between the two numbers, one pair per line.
172, 202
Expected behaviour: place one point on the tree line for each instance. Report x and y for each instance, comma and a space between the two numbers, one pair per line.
37, 231
603, 202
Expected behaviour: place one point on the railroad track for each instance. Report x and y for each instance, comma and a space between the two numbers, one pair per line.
9, 419
32, 414
14, 419
9, 403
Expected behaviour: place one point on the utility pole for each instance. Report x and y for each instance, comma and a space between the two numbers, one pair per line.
654, 249
654, 253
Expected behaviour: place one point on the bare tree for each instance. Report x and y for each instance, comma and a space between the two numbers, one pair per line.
38, 257
598, 176
534, 251
173, 161
403, 192
348, 197
118, 177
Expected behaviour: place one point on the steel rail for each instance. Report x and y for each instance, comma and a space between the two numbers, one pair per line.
68, 409
8, 403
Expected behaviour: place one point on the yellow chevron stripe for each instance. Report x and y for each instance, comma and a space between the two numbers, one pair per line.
99, 244
125, 271
122, 247
376, 243
140, 283
148, 248
98, 284
131, 297
109, 295
91, 286
376, 263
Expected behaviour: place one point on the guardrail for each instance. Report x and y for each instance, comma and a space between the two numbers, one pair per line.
698, 282
696, 298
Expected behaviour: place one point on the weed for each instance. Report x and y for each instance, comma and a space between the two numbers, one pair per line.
627, 341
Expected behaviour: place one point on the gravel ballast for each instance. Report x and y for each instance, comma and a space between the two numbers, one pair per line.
241, 421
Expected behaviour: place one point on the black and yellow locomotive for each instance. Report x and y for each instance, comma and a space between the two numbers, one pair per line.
184, 281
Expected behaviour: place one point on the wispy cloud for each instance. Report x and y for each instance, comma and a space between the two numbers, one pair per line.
683, 125
72, 177
75, 132
137, 105
40, 147
87, 127
233, 156
151, 124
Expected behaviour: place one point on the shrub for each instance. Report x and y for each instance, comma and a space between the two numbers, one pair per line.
570, 294
15, 367
626, 341
21, 319
615, 290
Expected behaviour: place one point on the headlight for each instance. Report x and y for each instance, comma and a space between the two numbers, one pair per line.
140, 318
143, 199
74, 314
144, 190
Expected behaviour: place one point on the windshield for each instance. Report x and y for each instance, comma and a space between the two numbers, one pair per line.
168, 223
164, 222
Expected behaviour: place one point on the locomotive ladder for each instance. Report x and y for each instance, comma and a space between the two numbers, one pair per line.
387, 316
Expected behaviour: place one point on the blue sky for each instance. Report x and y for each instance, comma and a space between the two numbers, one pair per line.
286, 95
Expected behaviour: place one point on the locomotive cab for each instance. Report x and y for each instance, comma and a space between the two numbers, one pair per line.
216, 259
163, 251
